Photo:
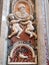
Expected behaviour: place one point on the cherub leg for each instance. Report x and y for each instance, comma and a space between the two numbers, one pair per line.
34, 34
20, 31
13, 33
29, 32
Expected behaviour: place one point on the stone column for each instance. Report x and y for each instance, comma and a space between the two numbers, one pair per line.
47, 23
42, 31
4, 32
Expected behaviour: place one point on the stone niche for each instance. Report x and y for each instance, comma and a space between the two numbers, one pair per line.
36, 45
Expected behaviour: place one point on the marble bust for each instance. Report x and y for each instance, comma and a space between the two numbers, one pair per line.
22, 12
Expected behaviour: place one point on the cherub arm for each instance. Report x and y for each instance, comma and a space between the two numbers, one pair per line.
24, 23
15, 21
30, 17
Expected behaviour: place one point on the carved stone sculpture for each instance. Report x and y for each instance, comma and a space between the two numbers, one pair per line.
23, 37
22, 12
15, 27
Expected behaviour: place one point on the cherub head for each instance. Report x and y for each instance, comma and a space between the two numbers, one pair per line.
10, 17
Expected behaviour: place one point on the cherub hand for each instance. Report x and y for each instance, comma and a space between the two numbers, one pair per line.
12, 21
30, 17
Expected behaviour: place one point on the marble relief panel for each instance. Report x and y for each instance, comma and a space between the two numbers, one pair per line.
22, 33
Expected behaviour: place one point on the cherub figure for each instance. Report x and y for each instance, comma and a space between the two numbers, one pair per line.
30, 27
15, 26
